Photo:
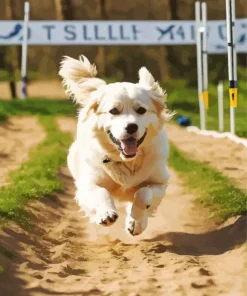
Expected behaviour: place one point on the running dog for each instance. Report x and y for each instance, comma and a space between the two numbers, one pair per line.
121, 148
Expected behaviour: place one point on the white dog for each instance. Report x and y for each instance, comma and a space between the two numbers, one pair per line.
121, 148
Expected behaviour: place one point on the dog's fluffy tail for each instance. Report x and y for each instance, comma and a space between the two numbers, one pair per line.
79, 78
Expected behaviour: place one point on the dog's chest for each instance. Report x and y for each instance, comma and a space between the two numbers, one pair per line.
127, 174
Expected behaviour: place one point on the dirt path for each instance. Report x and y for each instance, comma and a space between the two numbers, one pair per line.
181, 252
225, 155
51, 89
17, 137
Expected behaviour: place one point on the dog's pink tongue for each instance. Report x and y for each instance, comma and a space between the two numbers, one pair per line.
129, 147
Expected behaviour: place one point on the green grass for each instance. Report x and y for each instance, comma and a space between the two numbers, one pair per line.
183, 99
214, 190
37, 177
35, 107
3, 115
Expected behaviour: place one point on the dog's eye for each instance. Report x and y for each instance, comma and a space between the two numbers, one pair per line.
114, 111
141, 110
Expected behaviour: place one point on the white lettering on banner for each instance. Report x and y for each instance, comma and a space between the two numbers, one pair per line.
121, 33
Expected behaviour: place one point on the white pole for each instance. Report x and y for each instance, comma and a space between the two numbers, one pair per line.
232, 61
24, 52
234, 40
205, 55
220, 106
199, 65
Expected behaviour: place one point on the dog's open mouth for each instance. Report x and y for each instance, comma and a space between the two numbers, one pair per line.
128, 147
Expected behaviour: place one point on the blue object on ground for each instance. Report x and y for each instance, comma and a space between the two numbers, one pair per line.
184, 121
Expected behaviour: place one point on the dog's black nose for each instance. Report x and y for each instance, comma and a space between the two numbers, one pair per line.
131, 128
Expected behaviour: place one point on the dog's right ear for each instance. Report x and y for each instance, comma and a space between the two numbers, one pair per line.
79, 78
159, 96
146, 79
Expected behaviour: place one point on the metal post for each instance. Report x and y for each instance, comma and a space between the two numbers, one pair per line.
220, 106
205, 55
24, 52
232, 61
199, 65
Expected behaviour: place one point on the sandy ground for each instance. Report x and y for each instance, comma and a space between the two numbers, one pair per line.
225, 155
182, 252
51, 89
17, 137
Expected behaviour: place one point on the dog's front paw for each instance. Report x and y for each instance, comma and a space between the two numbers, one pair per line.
106, 218
136, 227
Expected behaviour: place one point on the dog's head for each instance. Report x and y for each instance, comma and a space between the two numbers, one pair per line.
126, 115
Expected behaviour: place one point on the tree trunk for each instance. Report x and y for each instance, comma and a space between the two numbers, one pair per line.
64, 10
161, 57
11, 53
101, 57
175, 56
173, 9
163, 64
102, 9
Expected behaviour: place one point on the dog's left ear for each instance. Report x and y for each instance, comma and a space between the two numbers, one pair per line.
159, 96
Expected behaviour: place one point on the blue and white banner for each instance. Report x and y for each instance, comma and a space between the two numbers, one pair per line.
121, 33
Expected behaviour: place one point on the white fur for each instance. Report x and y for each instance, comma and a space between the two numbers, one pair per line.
141, 180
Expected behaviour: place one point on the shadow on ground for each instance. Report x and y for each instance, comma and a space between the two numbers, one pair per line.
214, 242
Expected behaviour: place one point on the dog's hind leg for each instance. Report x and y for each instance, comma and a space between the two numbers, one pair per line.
136, 219
146, 201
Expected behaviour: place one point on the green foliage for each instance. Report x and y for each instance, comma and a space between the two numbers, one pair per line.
214, 190
242, 75
4, 75
37, 177
109, 80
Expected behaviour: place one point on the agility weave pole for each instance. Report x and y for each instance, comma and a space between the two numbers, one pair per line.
199, 32
232, 61
24, 52
205, 55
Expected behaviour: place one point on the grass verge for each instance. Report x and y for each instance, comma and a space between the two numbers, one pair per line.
37, 177
35, 107
215, 190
